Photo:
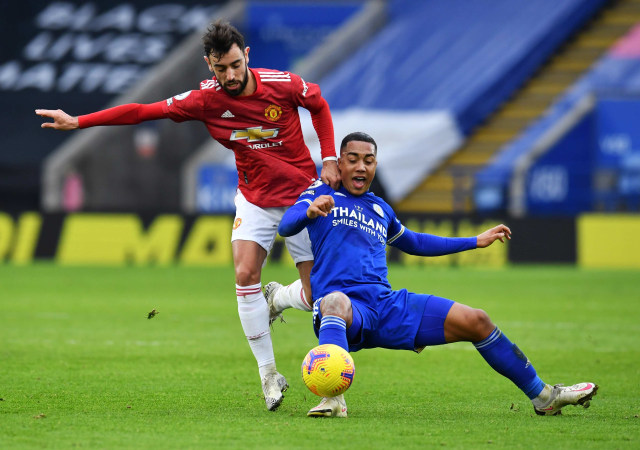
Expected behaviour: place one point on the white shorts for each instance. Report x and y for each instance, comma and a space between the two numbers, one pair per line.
260, 225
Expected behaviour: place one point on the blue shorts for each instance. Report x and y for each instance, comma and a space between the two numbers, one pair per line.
399, 320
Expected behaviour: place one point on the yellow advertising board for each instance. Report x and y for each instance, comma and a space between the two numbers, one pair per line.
609, 241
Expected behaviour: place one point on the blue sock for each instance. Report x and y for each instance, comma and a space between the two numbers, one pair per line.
506, 358
333, 330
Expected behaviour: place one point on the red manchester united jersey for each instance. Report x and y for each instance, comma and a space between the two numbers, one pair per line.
262, 129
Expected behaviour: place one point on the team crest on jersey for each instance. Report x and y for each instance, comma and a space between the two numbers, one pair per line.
273, 112
315, 184
378, 209
237, 223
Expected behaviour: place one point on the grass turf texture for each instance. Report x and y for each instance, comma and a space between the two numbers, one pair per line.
81, 366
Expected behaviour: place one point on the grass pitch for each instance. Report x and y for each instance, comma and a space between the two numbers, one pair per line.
82, 366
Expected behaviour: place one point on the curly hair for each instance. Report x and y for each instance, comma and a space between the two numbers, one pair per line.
219, 38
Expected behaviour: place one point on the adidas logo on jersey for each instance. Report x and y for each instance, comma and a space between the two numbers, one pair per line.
208, 84
275, 76
227, 115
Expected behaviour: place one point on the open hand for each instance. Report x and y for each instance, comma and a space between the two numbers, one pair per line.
499, 232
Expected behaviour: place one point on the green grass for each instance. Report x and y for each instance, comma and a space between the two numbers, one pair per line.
81, 366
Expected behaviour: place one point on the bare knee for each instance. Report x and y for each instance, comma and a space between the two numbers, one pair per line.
334, 303
248, 257
337, 304
480, 325
464, 323
247, 275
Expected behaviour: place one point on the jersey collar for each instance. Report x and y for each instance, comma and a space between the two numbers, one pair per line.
343, 190
256, 75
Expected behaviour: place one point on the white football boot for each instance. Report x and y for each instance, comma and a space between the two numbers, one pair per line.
273, 385
330, 407
270, 290
561, 396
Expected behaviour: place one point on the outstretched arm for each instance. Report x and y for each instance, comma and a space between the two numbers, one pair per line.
424, 244
129, 114
302, 213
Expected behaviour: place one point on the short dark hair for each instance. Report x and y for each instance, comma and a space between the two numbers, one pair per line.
358, 136
219, 38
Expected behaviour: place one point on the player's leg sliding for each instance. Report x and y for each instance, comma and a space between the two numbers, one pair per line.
554, 398
333, 330
281, 297
506, 358
254, 316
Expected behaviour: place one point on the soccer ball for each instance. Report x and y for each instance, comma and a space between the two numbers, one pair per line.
328, 370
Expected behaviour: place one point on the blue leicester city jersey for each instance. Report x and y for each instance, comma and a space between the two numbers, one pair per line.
349, 248
353, 258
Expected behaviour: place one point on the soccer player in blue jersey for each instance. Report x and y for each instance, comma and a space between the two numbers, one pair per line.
355, 306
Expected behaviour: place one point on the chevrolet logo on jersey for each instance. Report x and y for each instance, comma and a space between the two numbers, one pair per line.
254, 134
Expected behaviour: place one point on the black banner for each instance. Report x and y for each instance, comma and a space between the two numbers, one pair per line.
76, 56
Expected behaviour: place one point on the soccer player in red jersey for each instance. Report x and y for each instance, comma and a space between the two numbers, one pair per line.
254, 113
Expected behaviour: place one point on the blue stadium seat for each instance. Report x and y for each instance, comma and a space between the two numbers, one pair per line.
613, 75
455, 55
